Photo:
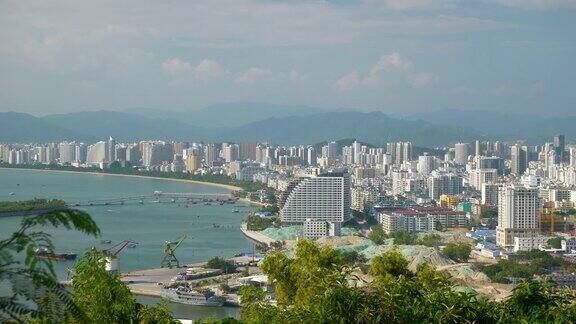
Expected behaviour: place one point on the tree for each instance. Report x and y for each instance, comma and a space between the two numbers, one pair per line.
390, 263
104, 298
377, 234
316, 287
459, 252
431, 240
34, 289
228, 266
403, 238
100, 294
555, 242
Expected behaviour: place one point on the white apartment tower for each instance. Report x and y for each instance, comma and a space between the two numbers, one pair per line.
325, 197
518, 209
461, 153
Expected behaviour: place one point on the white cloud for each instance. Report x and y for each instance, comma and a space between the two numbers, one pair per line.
348, 81
182, 72
537, 4
423, 79
253, 75
208, 70
392, 68
296, 76
176, 66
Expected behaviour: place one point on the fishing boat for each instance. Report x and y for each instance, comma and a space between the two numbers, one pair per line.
184, 295
43, 253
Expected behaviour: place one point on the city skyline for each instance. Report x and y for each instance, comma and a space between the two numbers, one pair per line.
400, 57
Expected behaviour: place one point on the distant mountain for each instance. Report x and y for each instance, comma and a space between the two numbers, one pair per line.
18, 127
508, 126
373, 127
122, 126
227, 115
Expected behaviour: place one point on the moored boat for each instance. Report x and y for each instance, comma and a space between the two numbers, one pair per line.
184, 295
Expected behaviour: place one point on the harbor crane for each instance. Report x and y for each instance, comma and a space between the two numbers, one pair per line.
169, 248
112, 253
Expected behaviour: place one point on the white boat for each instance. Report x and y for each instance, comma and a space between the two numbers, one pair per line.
188, 296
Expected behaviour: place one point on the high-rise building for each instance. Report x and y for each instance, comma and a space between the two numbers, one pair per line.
477, 148
425, 164
461, 153
80, 153
210, 154
491, 162
133, 154
154, 153
193, 163
560, 146
230, 152
67, 152
111, 149
311, 156
478, 177
518, 159
440, 183
248, 151
518, 209
325, 197
490, 194
97, 153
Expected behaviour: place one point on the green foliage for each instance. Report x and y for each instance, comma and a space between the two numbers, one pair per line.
228, 266
34, 290
403, 238
31, 205
555, 242
391, 263
315, 287
100, 294
489, 213
159, 314
352, 257
224, 287
257, 223
104, 298
278, 245
430, 240
273, 208
459, 252
377, 234
534, 263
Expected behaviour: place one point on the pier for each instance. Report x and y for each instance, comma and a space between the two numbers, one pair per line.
159, 197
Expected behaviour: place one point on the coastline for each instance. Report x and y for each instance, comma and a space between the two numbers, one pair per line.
255, 236
213, 184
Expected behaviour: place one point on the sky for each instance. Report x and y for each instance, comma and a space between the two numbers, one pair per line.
402, 57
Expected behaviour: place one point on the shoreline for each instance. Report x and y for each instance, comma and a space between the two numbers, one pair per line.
213, 184
255, 236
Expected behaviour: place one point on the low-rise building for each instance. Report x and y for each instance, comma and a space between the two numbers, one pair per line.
418, 219
528, 243
315, 229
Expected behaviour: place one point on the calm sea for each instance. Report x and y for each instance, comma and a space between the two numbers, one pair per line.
150, 224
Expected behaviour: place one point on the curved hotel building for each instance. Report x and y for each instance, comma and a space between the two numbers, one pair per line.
325, 197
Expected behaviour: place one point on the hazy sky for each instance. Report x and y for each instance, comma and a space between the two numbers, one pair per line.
400, 56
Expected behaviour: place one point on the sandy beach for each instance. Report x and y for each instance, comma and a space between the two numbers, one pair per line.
219, 185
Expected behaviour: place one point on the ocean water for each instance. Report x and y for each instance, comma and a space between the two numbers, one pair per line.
150, 224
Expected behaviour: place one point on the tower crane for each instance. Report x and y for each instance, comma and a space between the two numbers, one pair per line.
112, 253
169, 248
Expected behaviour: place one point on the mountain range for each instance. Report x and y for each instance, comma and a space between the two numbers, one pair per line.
281, 125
